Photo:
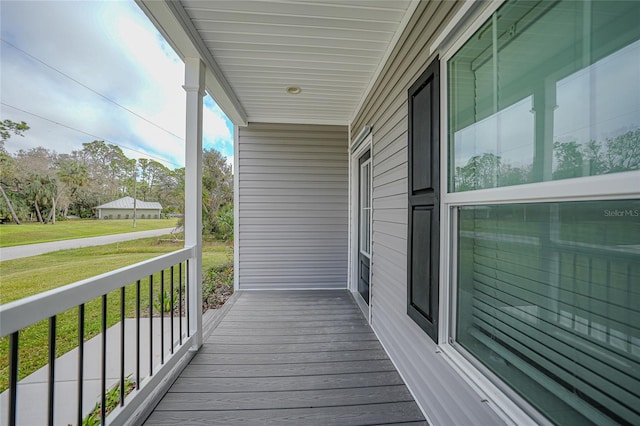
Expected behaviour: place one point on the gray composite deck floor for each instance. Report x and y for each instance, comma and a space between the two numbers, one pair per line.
289, 357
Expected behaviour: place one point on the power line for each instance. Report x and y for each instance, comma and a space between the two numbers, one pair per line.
90, 89
90, 134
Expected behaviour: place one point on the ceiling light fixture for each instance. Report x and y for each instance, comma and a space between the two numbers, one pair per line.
293, 90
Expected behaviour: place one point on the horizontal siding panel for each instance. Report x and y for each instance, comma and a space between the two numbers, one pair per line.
283, 244
317, 266
251, 233
279, 146
392, 241
326, 193
307, 136
285, 215
389, 148
396, 160
286, 221
392, 202
393, 188
337, 163
293, 206
291, 228
291, 170
393, 142
335, 199
390, 228
397, 120
390, 215
316, 256
288, 185
291, 156
390, 176
389, 259
310, 207
273, 177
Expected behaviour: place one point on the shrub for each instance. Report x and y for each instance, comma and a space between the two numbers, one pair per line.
112, 401
164, 301
217, 286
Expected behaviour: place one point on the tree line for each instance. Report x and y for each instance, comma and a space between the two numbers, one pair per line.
571, 159
42, 185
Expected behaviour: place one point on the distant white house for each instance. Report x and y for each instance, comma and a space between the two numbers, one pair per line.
123, 209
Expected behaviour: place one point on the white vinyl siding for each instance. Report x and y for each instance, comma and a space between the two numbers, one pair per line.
442, 393
293, 206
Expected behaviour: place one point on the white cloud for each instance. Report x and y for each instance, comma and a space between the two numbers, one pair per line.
112, 48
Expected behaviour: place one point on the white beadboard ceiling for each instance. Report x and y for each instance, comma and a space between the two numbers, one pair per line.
254, 50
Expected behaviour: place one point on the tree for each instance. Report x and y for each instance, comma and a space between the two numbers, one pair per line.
107, 167
7, 169
8, 127
42, 190
481, 171
7, 173
72, 176
623, 152
569, 160
217, 187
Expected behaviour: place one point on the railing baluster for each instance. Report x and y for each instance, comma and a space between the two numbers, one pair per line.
103, 397
171, 310
150, 325
180, 299
162, 317
52, 368
13, 377
138, 334
80, 361
122, 294
186, 290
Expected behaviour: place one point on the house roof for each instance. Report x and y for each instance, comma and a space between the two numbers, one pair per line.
127, 203
253, 50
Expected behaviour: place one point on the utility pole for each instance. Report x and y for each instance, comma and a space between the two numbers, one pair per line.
135, 196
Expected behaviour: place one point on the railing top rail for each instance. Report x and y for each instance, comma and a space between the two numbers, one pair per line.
21, 313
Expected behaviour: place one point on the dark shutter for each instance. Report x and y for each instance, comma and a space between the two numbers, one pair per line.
424, 200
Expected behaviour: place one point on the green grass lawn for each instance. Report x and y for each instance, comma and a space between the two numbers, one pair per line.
24, 277
31, 233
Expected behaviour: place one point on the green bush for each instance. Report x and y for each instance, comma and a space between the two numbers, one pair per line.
217, 286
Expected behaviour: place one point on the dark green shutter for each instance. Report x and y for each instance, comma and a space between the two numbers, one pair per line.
424, 200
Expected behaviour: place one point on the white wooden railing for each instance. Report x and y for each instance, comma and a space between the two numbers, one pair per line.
18, 315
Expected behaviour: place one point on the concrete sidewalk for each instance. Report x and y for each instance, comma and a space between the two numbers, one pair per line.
17, 252
32, 390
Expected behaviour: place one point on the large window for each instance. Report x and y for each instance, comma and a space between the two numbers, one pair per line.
547, 286
549, 300
546, 91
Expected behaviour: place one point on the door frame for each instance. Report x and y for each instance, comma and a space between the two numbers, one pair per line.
354, 224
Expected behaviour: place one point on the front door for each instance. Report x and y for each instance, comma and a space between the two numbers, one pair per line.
364, 224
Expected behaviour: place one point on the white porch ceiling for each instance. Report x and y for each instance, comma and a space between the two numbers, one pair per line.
254, 50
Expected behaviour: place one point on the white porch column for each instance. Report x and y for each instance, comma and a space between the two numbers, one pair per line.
194, 86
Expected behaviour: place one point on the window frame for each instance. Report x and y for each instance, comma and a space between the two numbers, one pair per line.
368, 163
619, 186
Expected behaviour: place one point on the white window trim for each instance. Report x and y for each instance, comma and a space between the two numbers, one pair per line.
507, 404
354, 192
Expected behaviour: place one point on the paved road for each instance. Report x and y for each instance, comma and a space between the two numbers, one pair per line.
17, 252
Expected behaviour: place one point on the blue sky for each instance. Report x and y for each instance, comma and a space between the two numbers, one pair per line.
80, 71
